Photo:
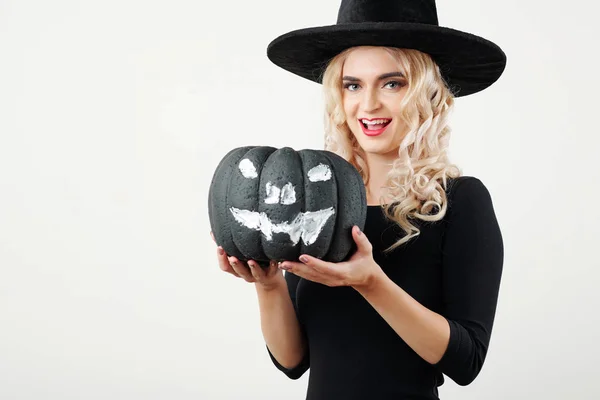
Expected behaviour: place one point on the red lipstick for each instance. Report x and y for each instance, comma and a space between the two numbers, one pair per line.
373, 132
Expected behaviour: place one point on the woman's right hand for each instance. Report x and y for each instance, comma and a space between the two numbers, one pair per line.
268, 277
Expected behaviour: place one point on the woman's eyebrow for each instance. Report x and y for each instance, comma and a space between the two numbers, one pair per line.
381, 77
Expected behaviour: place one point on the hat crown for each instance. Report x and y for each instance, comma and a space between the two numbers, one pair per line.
357, 11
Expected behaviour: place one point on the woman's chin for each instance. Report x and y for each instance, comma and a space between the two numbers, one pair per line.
379, 148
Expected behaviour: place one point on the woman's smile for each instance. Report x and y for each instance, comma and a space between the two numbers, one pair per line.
374, 127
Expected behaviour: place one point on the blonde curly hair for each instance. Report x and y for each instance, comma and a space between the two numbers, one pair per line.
416, 184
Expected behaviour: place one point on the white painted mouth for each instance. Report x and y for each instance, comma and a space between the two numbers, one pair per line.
306, 226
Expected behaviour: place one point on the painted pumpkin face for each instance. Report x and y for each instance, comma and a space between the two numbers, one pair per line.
275, 204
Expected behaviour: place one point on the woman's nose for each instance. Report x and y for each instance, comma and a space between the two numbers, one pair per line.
370, 101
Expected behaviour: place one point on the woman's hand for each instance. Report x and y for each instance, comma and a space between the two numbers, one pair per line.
359, 271
266, 278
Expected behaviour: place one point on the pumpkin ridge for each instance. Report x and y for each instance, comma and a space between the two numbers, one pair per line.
252, 154
338, 214
244, 153
228, 239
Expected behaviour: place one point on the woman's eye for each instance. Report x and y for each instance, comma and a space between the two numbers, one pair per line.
351, 86
394, 84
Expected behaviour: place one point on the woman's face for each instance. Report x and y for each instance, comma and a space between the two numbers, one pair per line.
372, 89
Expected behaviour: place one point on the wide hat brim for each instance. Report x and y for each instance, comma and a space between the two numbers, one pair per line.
468, 63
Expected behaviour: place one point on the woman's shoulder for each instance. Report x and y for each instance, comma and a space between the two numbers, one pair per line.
465, 183
467, 190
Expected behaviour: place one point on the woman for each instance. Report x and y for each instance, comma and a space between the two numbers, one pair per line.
417, 299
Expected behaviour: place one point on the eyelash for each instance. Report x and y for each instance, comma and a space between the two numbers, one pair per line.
347, 85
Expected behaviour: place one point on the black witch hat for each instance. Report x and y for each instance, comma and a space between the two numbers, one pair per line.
468, 63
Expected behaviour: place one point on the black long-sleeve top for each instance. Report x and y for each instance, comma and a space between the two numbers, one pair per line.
453, 268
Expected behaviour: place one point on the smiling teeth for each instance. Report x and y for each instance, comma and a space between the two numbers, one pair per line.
374, 122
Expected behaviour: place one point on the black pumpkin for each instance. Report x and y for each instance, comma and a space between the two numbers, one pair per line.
276, 204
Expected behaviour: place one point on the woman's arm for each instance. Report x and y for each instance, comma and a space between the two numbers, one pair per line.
456, 342
425, 331
280, 327
276, 297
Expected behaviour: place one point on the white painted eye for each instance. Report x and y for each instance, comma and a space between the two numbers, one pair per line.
319, 173
247, 169
288, 194
285, 195
272, 195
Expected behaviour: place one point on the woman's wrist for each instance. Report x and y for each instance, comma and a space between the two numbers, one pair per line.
371, 281
278, 282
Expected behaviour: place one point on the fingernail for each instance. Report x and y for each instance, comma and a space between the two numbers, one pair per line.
284, 266
304, 259
250, 264
221, 251
358, 232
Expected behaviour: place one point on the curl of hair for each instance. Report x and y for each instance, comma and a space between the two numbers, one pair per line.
416, 184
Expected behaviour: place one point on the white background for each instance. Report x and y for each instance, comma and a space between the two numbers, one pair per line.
113, 116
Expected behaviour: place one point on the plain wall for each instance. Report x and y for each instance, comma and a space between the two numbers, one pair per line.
113, 117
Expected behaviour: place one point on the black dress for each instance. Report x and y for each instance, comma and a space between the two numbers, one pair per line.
453, 268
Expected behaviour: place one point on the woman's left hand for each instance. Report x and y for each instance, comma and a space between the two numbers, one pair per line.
358, 271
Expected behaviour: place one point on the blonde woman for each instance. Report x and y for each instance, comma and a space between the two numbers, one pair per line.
417, 300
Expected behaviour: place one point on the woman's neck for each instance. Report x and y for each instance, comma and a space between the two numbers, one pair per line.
379, 165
